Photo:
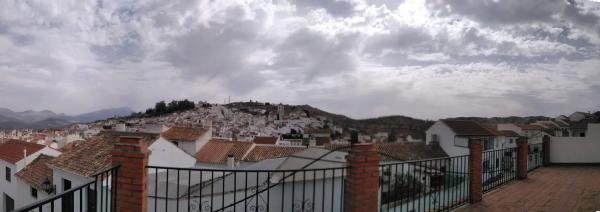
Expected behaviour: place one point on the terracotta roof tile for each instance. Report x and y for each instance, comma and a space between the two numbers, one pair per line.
508, 133
401, 151
94, 155
36, 172
264, 152
184, 133
265, 140
466, 128
217, 150
322, 141
12, 150
530, 127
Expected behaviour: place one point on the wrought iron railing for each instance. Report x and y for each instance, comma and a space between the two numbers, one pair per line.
97, 195
499, 168
426, 185
535, 156
193, 189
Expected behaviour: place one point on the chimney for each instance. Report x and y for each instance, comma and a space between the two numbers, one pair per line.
230, 161
25, 156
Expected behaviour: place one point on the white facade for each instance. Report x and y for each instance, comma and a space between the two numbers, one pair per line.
577, 149
191, 147
447, 139
165, 153
14, 189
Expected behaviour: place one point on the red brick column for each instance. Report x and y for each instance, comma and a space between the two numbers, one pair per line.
522, 154
546, 150
475, 170
362, 180
132, 193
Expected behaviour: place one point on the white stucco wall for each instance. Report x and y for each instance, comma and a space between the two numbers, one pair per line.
577, 149
165, 153
24, 194
76, 180
8, 188
446, 138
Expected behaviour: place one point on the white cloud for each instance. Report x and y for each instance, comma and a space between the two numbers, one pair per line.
364, 58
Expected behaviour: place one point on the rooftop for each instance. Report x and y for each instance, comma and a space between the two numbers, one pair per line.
217, 151
94, 155
12, 150
265, 140
36, 172
184, 133
554, 188
466, 127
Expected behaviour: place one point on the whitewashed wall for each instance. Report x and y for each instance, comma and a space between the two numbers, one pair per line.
577, 149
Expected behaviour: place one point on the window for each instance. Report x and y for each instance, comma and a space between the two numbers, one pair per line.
434, 137
582, 134
33, 192
488, 144
7, 173
66, 184
512, 140
67, 201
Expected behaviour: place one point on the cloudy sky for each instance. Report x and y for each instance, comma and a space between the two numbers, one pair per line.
426, 59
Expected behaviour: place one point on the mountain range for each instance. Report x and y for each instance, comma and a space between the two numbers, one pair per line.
47, 119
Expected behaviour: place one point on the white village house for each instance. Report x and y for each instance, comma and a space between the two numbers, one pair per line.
15, 155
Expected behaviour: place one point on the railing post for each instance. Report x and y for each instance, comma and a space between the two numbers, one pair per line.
475, 170
546, 150
132, 193
522, 158
362, 180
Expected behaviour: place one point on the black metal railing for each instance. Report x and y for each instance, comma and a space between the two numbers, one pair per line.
437, 184
97, 195
499, 168
535, 156
193, 189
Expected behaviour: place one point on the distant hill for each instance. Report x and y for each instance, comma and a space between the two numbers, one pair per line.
102, 114
47, 119
396, 124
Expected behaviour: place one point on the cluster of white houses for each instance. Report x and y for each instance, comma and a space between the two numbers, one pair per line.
31, 172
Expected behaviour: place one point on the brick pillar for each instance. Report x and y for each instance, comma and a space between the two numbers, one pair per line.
475, 170
522, 154
546, 150
362, 180
132, 193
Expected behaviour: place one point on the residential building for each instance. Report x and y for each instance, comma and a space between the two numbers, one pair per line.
14, 156
453, 136
189, 139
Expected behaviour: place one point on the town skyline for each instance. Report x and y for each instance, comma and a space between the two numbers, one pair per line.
133, 110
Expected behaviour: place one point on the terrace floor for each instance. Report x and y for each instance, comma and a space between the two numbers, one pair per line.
554, 188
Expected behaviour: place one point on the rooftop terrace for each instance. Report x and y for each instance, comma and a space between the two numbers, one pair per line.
554, 188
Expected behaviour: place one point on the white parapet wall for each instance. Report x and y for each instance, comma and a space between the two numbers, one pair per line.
577, 149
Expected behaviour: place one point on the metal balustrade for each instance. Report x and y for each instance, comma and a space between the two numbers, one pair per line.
97, 195
437, 184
